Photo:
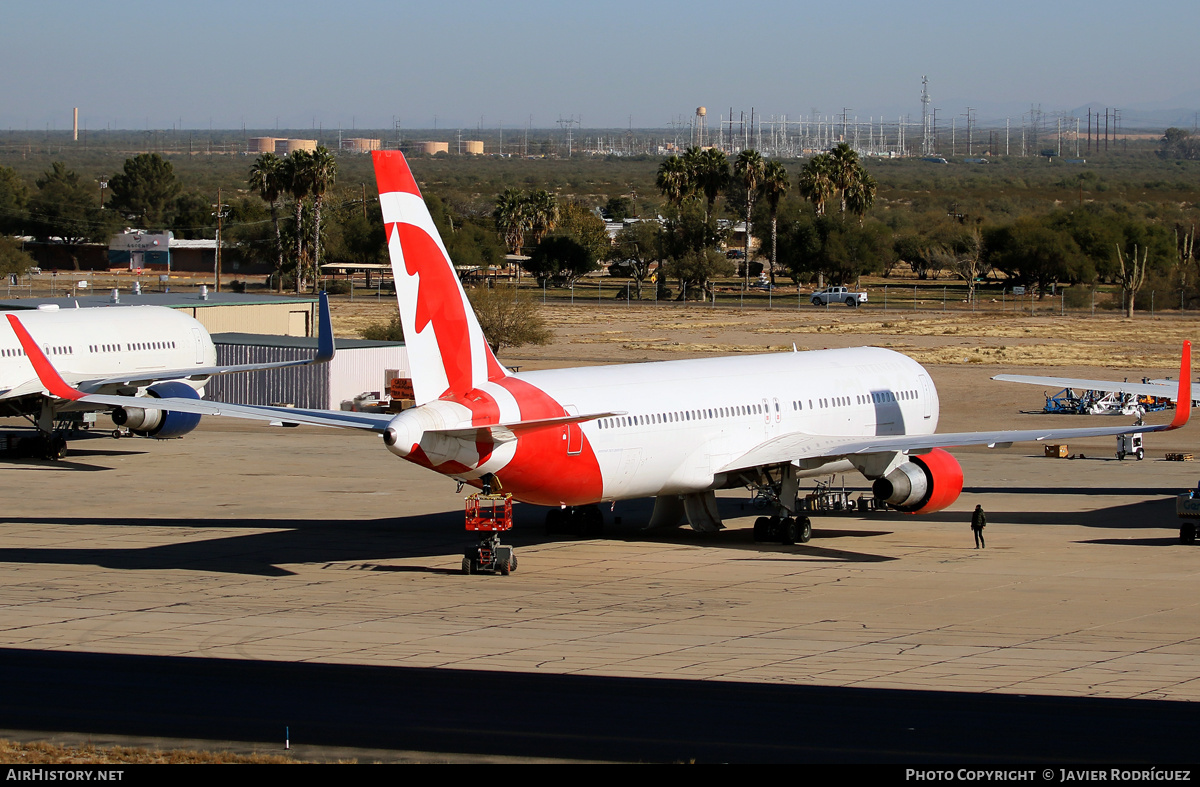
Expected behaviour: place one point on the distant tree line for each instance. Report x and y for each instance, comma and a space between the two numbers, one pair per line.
1128, 223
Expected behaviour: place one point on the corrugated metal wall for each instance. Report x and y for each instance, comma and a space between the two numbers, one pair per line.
350, 373
362, 369
303, 386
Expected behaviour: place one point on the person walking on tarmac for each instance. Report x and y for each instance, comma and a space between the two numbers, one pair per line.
978, 523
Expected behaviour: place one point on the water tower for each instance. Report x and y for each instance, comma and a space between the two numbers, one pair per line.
698, 130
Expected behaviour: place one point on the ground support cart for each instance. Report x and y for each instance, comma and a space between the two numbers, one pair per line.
489, 515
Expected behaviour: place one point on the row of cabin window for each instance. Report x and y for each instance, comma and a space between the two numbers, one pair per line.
878, 397
96, 348
756, 409
685, 415
19, 353
116, 348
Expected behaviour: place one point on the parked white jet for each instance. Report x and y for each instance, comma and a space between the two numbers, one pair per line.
149, 352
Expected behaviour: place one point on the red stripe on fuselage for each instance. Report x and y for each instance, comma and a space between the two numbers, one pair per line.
541, 471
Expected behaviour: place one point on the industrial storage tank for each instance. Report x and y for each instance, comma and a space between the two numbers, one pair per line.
433, 148
286, 146
360, 145
262, 144
473, 147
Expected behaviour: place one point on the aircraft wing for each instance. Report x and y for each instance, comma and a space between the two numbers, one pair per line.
1164, 390
798, 447
142, 378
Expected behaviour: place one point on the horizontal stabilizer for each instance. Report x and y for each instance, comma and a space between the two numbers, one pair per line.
504, 433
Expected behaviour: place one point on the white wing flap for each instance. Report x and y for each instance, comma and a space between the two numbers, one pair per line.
1164, 390
796, 447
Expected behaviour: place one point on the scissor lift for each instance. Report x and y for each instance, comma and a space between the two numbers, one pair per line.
489, 515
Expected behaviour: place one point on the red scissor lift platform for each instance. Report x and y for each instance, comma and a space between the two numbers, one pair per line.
489, 515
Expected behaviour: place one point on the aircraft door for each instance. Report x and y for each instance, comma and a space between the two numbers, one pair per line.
573, 434
574, 440
199, 342
926, 395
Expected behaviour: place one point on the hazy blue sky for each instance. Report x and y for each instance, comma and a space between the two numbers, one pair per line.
139, 64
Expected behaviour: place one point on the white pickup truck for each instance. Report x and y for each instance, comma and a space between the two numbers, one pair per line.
838, 295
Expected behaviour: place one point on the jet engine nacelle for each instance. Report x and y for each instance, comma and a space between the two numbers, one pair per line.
163, 424
923, 484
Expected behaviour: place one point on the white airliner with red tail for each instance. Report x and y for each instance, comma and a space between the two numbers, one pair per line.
148, 352
675, 430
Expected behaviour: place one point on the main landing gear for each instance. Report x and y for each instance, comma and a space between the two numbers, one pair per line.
52, 446
586, 521
54, 430
777, 490
785, 530
489, 515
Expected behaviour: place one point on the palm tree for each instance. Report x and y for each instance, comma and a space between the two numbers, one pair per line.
773, 188
512, 219
844, 169
674, 180
816, 182
748, 168
542, 214
322, 171
709, 174
296, 179
266, 176
860, 194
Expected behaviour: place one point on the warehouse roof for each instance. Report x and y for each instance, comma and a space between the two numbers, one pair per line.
172, 300
299, 342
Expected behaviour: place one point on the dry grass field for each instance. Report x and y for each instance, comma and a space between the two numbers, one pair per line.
42, 753
616, 333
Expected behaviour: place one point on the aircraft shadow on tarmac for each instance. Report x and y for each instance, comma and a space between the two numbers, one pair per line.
367, 544
592, 717
364, 544
370, 544
1058, 491
1142, 515
67, 465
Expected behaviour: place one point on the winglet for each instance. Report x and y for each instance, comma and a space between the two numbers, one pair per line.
324, 331
46, 372
1183, 402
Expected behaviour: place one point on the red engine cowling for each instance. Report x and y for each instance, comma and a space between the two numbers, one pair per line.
923, 484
